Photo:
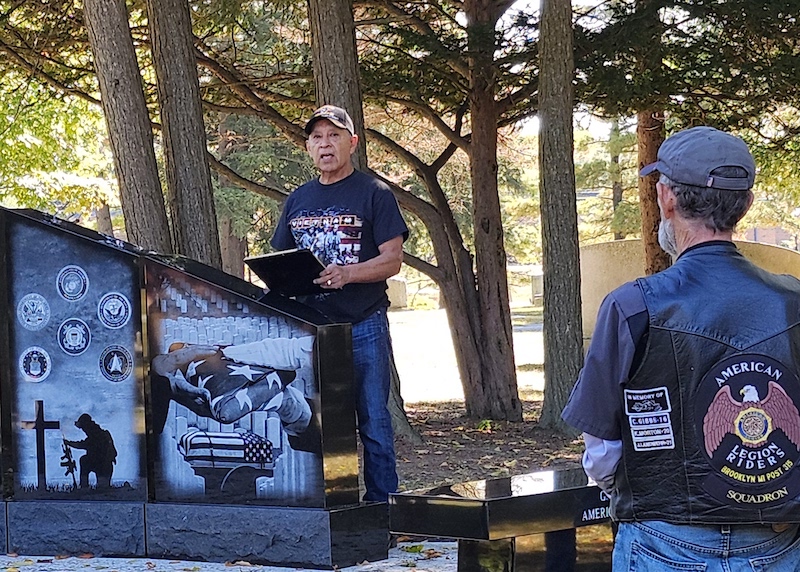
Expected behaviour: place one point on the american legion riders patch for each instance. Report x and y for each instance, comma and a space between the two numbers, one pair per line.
748, 426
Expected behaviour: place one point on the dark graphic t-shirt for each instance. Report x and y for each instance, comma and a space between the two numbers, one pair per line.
342, 223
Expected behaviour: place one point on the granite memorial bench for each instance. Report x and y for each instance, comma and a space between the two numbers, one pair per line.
526, 522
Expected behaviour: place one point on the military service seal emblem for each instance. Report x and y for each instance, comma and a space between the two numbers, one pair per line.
116, 363
72, 283
33, 312
74, 336
34, 364
114, 310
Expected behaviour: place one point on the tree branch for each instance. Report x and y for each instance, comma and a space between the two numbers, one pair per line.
240, 87
273, 192
426, 112
434, 272
423, 28
35, 71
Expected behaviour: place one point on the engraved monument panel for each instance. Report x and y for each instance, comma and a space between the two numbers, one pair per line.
74, 377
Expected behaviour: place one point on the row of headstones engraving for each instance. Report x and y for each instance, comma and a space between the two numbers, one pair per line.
290, 473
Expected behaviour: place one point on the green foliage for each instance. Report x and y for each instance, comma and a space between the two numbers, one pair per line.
730, 64
522, 229
52, 150
519, 201
777, 189
517, 184
49, 36
257, 152
598, 221
267, 44
485, 425
715, 63
600, 165
418, 53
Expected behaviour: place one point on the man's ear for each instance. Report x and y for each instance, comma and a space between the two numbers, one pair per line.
353, 144
666, 200
751, 198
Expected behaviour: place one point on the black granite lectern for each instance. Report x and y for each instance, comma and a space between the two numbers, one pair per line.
153, 405
526, 522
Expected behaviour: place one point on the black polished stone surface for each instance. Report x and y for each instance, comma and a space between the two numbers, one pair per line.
298, 498
204, 454
73, 392
586, 549
337, 415
500, 508
359, 533
75, 528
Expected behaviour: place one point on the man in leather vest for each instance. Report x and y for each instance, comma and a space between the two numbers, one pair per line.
688, 399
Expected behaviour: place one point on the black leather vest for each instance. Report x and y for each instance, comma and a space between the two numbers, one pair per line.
711, 429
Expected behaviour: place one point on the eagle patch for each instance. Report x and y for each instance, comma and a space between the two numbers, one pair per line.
748, 427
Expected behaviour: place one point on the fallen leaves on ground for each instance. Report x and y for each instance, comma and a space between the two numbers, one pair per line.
459, 449
412, 548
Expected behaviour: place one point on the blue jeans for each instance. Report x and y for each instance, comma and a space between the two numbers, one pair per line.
372, 349
659, 546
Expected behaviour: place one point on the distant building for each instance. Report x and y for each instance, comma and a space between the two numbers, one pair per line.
772, 235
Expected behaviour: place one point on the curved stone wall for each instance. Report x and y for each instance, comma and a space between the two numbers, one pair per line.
606, 265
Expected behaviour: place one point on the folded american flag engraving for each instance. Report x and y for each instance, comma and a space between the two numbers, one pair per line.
226, 450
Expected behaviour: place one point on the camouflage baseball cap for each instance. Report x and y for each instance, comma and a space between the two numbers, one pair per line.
335, 115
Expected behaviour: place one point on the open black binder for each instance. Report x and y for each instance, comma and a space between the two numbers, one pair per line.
288, 272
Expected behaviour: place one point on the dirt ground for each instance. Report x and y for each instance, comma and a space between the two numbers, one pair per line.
457, 449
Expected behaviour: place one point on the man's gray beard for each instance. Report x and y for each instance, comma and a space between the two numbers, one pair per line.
666, 237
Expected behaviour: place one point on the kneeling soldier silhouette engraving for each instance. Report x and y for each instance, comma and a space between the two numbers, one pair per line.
101, 455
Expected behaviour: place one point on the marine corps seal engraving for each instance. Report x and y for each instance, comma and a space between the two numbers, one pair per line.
748, 426
33, 312
72, 283
116, 363
34, 364
74, 336
114, 310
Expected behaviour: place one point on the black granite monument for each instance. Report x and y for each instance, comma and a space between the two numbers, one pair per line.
152, 405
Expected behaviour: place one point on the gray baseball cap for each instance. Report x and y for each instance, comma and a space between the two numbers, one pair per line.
336, 115
689, 156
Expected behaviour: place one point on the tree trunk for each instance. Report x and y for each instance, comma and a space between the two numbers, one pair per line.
232, 248
650, 136
104, 224
400, 423
335, 60
563, 336
190, 195
128, 122
455, 277
463, 316
616, 175
496, 397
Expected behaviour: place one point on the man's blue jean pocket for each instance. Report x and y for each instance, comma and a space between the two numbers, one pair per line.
652, 546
